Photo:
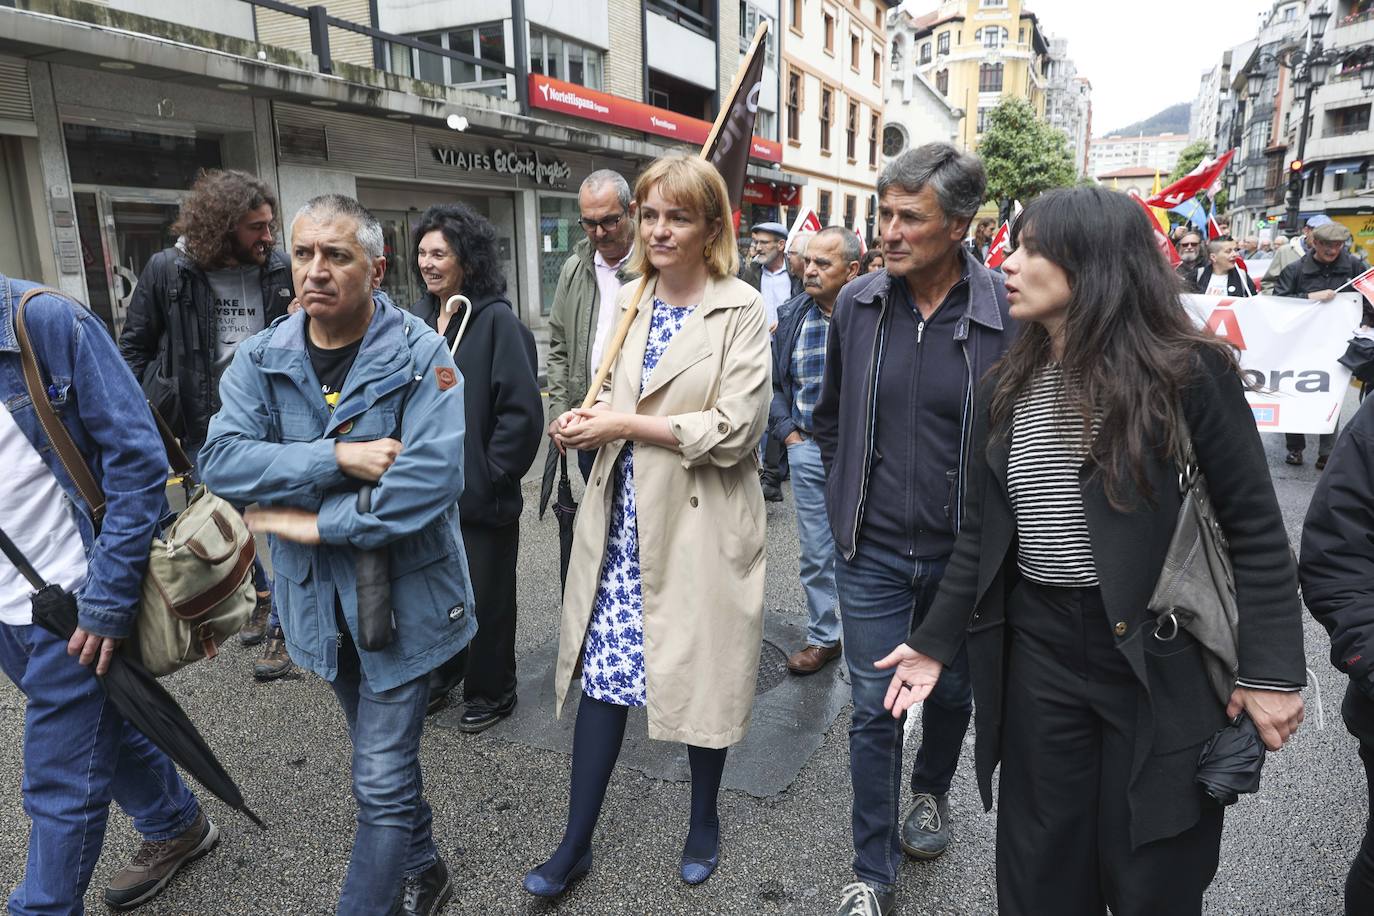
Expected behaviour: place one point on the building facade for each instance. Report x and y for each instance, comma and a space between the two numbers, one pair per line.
1068, 102
1112, 153
916, 112
97, 150
977, 52
834, 69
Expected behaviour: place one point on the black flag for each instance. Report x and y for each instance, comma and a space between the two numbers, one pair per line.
728, 146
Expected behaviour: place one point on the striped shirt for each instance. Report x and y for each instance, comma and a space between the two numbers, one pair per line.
1047, 451
808, 367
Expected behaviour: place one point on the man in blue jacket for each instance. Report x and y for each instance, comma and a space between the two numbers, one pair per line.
907, 347
348, 392
832, 260
79, 754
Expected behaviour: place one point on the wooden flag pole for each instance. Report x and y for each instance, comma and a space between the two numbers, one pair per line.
623, 328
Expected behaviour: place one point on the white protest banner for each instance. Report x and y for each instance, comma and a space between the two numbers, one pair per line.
1290, 348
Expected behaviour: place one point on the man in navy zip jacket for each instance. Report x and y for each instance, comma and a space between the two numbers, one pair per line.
906, 349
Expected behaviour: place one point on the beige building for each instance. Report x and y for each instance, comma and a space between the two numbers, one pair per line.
834, 63
977, 52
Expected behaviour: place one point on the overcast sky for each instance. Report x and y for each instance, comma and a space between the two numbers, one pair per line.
1141, 57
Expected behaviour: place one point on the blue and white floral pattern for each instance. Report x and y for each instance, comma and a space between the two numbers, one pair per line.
613, 656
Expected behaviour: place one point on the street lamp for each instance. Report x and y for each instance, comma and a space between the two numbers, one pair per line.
1319, 18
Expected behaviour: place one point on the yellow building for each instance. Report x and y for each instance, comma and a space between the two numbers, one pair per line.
977, 52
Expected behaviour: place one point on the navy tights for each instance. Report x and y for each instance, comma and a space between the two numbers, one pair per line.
597, 738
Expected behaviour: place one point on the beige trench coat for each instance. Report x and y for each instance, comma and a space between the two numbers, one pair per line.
700, 517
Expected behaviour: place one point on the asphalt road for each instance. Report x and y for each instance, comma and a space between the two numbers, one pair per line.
499, 806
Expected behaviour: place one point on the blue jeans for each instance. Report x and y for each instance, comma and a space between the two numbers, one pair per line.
881, 594
817, 557
79, 754
393, 837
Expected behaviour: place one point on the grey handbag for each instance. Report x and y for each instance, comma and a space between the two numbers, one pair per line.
1197, 586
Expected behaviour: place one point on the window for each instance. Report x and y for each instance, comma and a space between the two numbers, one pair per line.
942, 43
942, 82
565, 60
986, 3
925, 52
874, 122
697, 15
794, 101
827, 98
851, 211
823, 208
1342, 122
750, 17
855, 48
1021, 35
829, 32
484, 42
796, 16
851, 132
877, 67
990, 78
991, 37
1350, 179
894, 140
766, 124
983, 119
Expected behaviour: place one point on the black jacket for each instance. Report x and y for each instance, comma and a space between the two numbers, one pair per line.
1179, 710
1238, 282
1337, 567
1308, 275
844, 416
170, 330
790, 319
501, 403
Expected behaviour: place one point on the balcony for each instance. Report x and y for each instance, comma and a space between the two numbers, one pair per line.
689, 15
1255, 197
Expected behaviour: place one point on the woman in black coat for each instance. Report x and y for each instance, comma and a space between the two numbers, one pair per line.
457, 256
1097, 717
1220, 275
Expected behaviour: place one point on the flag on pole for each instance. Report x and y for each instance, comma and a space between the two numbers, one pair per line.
1000, 247
1193, 212
859, 231
806, 221
727, 147
1166, 247
1205, 177
1213, 230
1365, 284
1240, 262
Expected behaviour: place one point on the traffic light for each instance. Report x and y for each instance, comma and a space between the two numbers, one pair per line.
1295, 167
1295, 178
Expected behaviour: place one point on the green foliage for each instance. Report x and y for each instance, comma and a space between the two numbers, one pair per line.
1023, 155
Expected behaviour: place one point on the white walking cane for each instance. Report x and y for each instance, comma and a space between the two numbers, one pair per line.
463, 325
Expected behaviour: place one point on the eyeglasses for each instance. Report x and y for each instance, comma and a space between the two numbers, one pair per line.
606, 224
1188, 244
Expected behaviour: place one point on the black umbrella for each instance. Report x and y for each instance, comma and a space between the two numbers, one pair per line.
137, 695
566, 511
1230, 763
550, 474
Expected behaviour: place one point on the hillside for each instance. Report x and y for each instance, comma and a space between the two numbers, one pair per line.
1172, 120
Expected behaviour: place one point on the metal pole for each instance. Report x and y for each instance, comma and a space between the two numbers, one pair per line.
522, 55
1295, 182
319, 37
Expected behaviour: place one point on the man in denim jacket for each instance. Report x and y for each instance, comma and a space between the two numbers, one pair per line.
351, 391
78, 752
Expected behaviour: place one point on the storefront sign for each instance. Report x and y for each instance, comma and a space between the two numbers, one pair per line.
768, 194
569, 98
539, 169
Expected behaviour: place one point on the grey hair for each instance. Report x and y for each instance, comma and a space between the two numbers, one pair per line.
956, 177
327, 206
849, 242
602, 177
799, 242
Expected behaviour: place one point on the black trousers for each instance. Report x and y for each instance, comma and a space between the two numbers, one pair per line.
1358, 712
492, 554
1068, 733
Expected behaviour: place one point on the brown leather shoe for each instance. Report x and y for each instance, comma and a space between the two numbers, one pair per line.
275, 661
255, 630
813, 658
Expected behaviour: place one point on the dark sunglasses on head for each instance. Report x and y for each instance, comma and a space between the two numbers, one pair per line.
606, 224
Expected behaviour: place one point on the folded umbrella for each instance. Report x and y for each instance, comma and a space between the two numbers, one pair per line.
566, 512
138, 696
1230, 763
550, 474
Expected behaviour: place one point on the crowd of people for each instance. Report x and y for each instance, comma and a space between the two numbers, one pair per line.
983, 466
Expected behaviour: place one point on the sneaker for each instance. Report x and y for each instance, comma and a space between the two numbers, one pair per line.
255, 629
925, 831
157, 861
425, 894
860, 899
275, 661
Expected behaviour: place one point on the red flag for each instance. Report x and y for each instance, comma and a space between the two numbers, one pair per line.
1240, 262
806, 221
1000, 247
859, 231
1365, 284
1213, 230
1202, 178
1166, 247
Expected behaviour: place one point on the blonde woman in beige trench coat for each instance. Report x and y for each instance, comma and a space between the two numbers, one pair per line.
664, 596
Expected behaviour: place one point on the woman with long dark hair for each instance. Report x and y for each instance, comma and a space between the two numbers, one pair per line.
465, 301
1096, 713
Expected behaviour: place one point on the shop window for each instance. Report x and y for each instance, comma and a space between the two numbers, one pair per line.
136, 159
558, 233
566, 60
794, 101
827, 103
990, 78
823, 208
851, 131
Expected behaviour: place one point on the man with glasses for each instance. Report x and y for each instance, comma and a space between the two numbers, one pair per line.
767, 269
1189, 256
584, 310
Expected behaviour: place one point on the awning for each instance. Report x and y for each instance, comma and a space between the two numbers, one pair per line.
1344, 165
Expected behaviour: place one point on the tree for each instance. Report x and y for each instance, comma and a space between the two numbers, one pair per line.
1023, 155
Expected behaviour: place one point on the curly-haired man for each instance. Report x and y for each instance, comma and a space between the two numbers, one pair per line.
195, 303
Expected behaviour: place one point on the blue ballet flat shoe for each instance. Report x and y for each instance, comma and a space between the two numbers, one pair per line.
695, 871
540, 886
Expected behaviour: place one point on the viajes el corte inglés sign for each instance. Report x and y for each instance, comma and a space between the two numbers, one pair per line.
530, 164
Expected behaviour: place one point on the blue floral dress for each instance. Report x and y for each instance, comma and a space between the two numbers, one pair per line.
613, 655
